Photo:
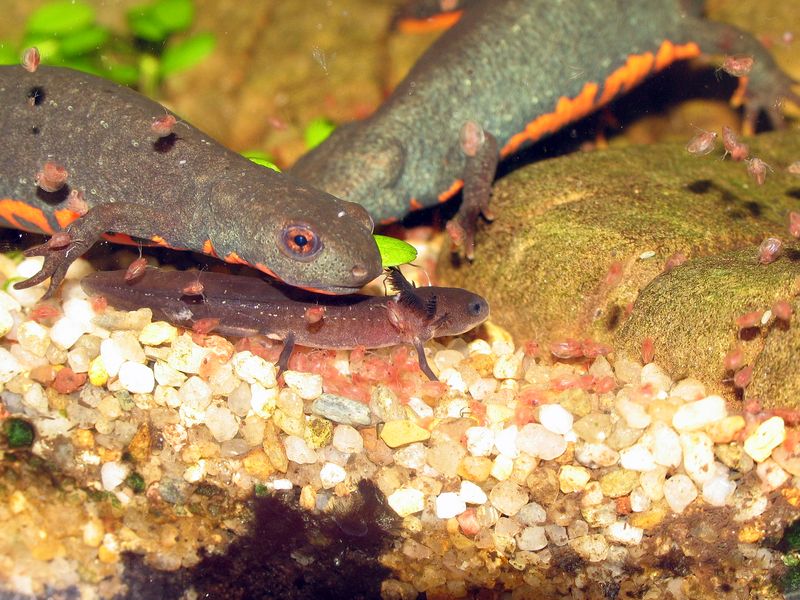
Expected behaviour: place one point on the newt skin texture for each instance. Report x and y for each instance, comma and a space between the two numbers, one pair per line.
182, 190
514, 71
246, 306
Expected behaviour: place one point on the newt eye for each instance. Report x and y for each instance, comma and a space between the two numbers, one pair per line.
300, 241
476, 308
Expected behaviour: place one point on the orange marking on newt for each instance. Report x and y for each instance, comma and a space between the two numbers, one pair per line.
265, 269
120, 238
414, 204
11, 210
388, 221
433, 23
65, 216
159, 241
452, 190
235, 259
208, 248
635, 69
567, 110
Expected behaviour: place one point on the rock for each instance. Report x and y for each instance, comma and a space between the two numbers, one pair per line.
536, 440
555, 418
700, 414
508, 497
399, 433
576, 216
449, 505
619, 482
767, 436
679, 492
136, 378
341, 410
406, 501
222, 423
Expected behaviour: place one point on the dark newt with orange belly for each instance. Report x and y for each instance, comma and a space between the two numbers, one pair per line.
76, 144
509, 73
244, 306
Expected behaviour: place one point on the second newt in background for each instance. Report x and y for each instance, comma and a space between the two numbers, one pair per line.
244, 306
84, 157
508, 73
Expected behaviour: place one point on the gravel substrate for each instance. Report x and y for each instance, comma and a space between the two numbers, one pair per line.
551, 479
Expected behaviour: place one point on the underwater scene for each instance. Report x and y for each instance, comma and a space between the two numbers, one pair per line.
400, 299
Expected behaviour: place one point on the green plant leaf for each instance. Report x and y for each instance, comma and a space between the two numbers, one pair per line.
317, 132
122, 74
261, 158
145, 26
187, 53
85, 41
8, 54
173, 15
394, 252
60, 18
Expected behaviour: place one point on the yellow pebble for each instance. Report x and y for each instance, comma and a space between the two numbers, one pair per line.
767, 436
751, 534
400, 433
723, 432
573, 479
83, 438
93, 532
258, 465
157, 333
308, 498
106, 555
17, 502
98, 376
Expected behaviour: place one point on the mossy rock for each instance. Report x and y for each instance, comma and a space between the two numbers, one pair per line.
576, 239
690, 314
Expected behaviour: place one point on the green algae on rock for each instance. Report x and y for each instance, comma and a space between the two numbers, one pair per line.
577, 237
691, 314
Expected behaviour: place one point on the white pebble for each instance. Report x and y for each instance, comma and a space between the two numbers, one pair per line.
136, 378
596, 455
654, 375
635, 414
166, 375
679, 492
532, 538
698, 456
717, 490
222, 423
254, 369
772, 476
186, 356
112, 474
6, 321
422, 410
652, 483
767, 436
502, 467
65, 332
508, 366
555, 418
347, 439
536, 440
699, 414
532, 513
406, 501
307, 385
664, 444
637, 458
9, 366
621, 532
449, 505
33, 337
298, 451
471, 493
640, 501
195, 393
331, 474
480, 441
505, 441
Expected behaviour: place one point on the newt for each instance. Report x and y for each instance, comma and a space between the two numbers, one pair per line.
507, 74
246, 306
87, 158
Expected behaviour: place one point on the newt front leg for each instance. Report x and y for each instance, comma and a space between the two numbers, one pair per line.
483, 154
81, 234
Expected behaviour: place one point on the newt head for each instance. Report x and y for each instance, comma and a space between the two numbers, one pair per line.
358, 165
310, 240
429, 312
